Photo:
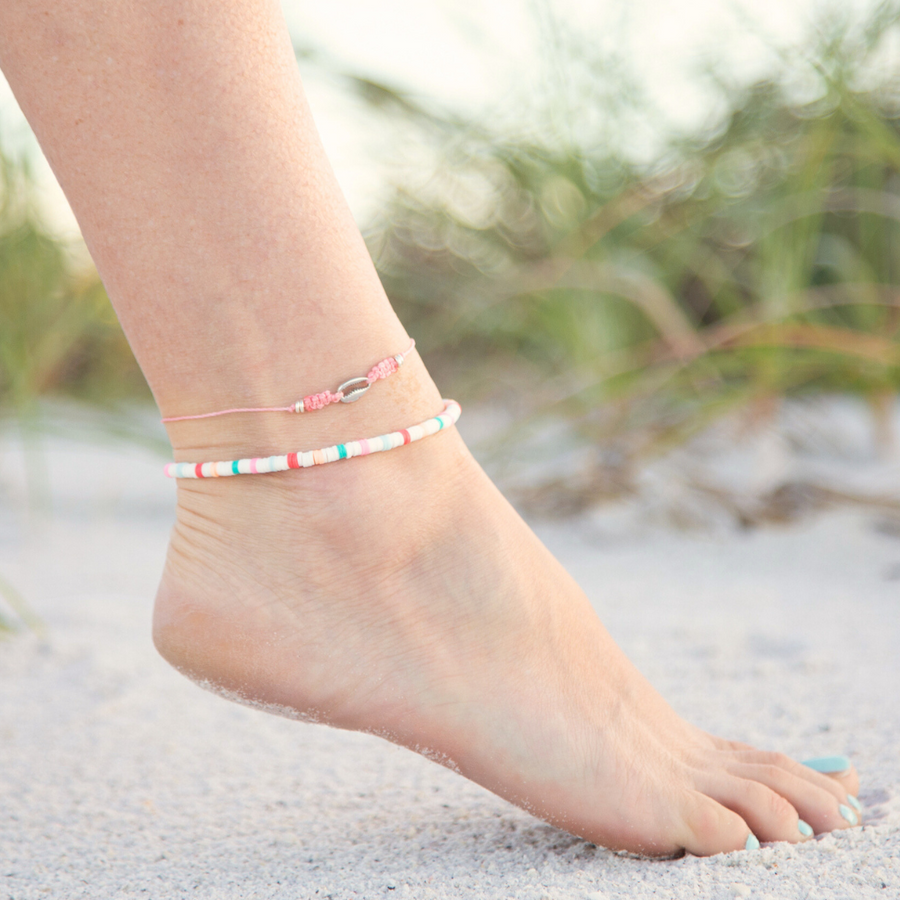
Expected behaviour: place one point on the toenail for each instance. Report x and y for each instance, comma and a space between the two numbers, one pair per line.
854, 803
848, 814
752, 842
828, 765
805, 829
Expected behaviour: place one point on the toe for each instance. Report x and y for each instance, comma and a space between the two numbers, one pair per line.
848, 781
816, 805
838, 768
710, 828
769, 814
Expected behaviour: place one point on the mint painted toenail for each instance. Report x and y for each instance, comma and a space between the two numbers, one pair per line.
848, 814
829, 765
752, 842
805, 829
854, 803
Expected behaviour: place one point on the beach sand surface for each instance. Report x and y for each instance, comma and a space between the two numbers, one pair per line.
120, 778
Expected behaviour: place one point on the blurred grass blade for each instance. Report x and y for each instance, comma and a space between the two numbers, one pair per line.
20, 607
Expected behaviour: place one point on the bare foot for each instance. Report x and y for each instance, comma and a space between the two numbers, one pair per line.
400, 594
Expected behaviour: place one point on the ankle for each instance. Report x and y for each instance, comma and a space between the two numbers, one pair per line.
403, 488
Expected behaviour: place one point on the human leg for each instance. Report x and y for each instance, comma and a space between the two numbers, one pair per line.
397, 594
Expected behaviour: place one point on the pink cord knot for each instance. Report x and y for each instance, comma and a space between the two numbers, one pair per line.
321, 400
383, 369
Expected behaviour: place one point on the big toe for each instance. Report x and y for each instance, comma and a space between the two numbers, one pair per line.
840, 770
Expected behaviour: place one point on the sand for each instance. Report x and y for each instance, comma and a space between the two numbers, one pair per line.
118, 777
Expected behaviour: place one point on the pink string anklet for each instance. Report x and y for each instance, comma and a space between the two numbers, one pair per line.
303, 460
349, 392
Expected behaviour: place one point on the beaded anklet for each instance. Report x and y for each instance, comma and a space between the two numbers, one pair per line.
305, 459
349, 392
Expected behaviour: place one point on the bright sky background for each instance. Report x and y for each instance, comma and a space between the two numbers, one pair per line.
483, 57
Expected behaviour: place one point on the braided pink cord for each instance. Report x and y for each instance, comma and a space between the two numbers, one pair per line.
314, 401
320, 401
383, 369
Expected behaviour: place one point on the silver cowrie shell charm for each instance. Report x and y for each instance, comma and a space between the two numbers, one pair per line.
353, 389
